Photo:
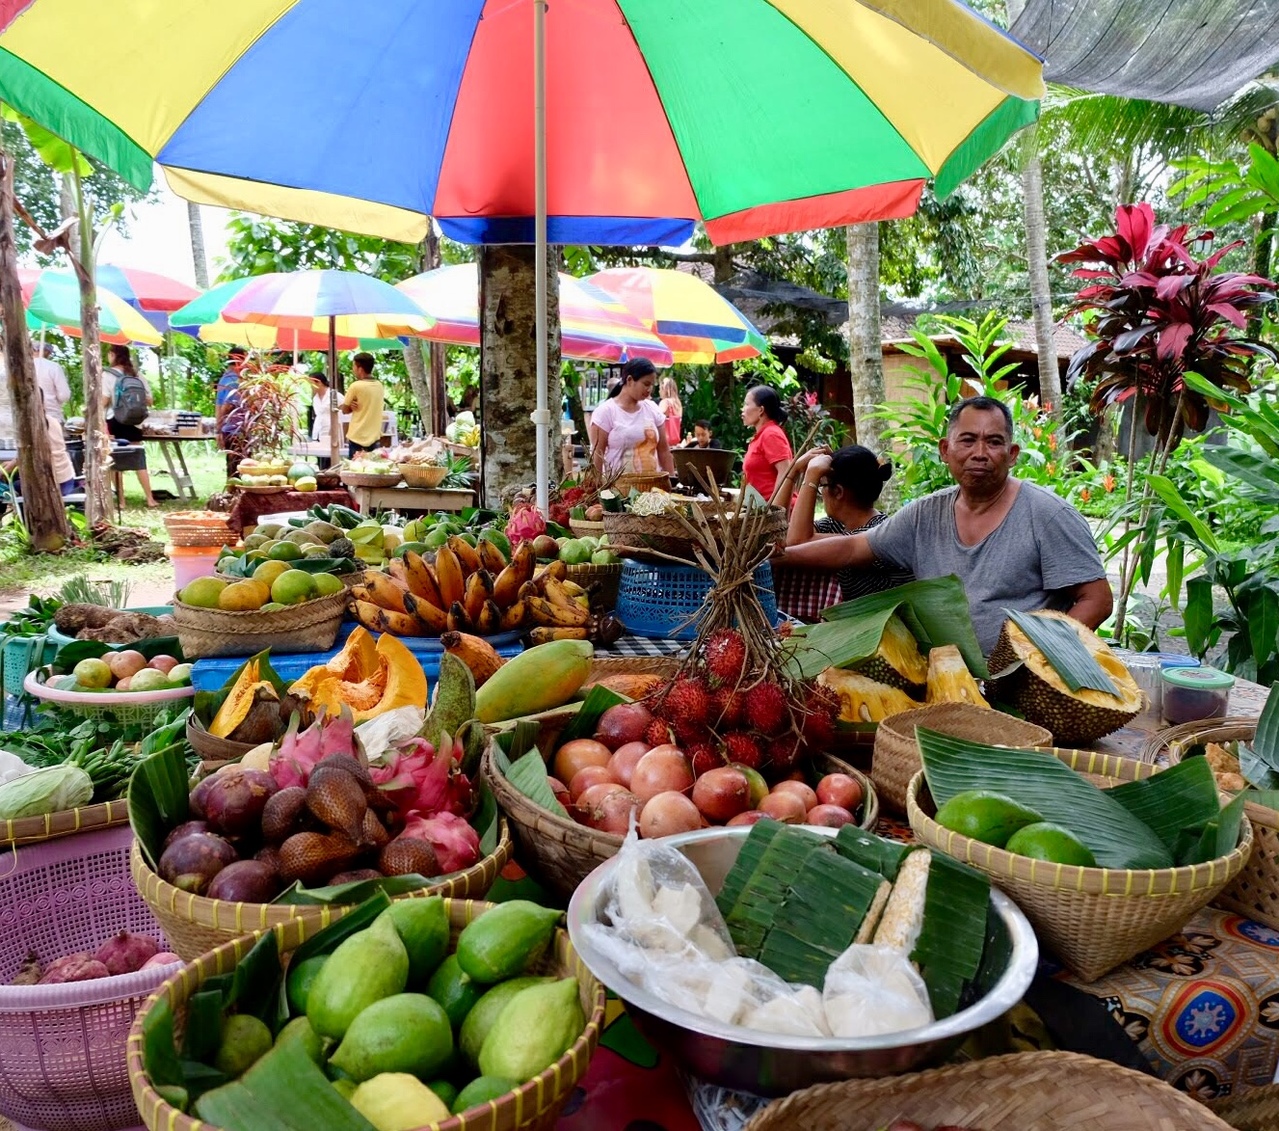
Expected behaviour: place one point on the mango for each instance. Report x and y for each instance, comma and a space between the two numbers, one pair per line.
245, 596
1045, 841
539, 678
369, 966
326, 584
480, 1091
268, 571
402, 1033
301, 975
455, 991
299, 1029
536, 1028
284, 551
293, 587
985, 815
203, 592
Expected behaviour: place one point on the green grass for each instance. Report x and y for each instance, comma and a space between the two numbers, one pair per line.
46, 573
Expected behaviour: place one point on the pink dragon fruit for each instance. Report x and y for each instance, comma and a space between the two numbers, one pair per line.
456, 844
419, 778
298, 752
526, 524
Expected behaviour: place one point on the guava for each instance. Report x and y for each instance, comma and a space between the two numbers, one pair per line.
93, 675
149, 679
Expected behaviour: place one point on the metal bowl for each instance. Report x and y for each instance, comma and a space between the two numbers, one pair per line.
768, 1064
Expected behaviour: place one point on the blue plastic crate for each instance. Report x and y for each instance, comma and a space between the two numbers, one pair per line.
210, 674
663, 601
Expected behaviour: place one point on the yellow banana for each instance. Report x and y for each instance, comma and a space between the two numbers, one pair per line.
449, 576
491, 558
558, 595
466, 553
543, 612
506, 586
458, 621
513, 617
479, 588
489, 619
478, 655
556, 570
378, 619
384, 590
544, 634
421, 579
432, 619
525, 561
572, 588
399, 571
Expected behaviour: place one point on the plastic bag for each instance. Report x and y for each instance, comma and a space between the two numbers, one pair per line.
378, 734
11, 766
871, 990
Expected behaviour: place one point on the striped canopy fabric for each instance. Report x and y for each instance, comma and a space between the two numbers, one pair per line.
754, 116
52, 299
151, 294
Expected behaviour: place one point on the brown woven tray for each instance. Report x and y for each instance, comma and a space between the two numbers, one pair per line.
533, 1106
1253, 893
1032, 1091
896, 757
194, 924
354, 479
646, 537
66, 822
309, 627
1093, 919
209, 533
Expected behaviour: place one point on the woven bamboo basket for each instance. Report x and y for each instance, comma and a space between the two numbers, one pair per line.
355, 479
213, 531
65, 822
642, 481
423, 474
645, 536
561, 853
195, 924
1030, 1091
213, 751
309, 627
1093, 919
896, 757
604, 578
1253, 893
582, 528
534, 1106
1257, 1109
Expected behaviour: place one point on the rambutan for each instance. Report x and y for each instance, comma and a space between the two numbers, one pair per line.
728, 708
704, 756
767, 710
725, 656
821, 709
687, 704
784, 753
744, 749
657, 733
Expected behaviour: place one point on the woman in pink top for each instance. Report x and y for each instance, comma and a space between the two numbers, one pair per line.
769, 454
628, 430
672, 410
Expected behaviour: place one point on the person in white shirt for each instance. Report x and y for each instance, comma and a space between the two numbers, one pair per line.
51, 380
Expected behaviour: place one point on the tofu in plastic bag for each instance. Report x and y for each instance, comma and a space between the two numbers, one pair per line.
871, 990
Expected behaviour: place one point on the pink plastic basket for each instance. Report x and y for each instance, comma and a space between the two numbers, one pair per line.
62, 1057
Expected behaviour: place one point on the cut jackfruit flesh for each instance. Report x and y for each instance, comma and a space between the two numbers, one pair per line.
1129, 697
863, 700
949, 680
897, 661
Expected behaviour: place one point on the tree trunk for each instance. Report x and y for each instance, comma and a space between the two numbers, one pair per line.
97, 441
722, 377
1032, 188
199, 259
422, 391
865, 349
43, 509
1262, 257
438, 353
508, 367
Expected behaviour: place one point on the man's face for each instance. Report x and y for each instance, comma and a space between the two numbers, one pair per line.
702, 436
978, 449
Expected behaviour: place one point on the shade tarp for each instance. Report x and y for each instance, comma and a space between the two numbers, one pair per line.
1195, 53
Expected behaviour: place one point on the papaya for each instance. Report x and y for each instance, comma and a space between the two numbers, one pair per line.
539, 678
368, 677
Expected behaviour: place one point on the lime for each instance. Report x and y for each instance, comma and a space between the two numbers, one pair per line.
454, 990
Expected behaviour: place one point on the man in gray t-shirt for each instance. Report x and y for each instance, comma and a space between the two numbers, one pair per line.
1014, 545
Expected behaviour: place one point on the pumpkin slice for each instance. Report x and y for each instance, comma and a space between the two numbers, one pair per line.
239, 701
368, 678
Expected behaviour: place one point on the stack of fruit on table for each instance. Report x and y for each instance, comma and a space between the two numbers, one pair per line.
253, 472
122, 670
313, 540
393, 1018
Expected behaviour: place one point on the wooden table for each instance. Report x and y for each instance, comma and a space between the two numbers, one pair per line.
170, 444
421, 500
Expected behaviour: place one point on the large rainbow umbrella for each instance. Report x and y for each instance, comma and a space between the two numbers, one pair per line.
52, 299
151, 294
594, 326
754, 116
700, 326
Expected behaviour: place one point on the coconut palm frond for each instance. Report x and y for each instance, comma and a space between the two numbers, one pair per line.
1105, 122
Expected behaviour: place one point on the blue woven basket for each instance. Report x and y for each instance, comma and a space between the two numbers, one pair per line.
663, 601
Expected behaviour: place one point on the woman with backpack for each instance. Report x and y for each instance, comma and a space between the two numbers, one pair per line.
125, 396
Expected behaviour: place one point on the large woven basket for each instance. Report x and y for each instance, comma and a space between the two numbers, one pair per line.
213, 751
65, 822
647, 536
195, 924
1093, 919
62, 1047
601, 580
1256, 1109
561, 853
534, 1106
641, 481
309, 627
1253, 893
212, 531
423, 475
1031, 1091
896, 757
355, 479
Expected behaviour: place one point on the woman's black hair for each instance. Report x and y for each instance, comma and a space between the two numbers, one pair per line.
859, 472
637, 369
319, 375
770, 402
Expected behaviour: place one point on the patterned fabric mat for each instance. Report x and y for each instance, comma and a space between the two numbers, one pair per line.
641, 646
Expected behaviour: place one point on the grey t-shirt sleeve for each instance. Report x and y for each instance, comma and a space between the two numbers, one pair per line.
895, 540
1067, 550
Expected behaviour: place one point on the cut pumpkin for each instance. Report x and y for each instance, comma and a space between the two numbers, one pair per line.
239, 701
367, 677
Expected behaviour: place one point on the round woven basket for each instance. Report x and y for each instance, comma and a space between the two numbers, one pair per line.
581, 528
200, 532
1093, 919
896, 757
309, 627
1253, 893
195, 924
1030, 1091
355, 479
65, 822
213, 751
423, 475
62, 1047
647, 536
534, 1106
602, 580
561, 853
642, 481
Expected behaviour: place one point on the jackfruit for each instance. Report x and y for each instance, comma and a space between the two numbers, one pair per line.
949, 680
897, 661
863, 700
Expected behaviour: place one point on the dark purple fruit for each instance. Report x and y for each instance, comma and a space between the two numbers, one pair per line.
192, 862
186, 829
245, 881
235, 799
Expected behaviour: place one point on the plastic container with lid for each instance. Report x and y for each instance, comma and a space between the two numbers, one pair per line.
1192, 694
1147, 672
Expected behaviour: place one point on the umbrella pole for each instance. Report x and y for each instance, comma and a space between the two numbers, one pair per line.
334, 427
542, 417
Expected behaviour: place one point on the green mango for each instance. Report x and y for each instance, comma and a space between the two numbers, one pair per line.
985, 815
498, 538
537, 1027
370, 965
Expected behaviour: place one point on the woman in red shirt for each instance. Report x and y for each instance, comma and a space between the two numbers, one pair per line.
769, 454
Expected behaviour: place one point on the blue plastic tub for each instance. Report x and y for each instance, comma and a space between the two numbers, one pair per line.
662, 601
210, 674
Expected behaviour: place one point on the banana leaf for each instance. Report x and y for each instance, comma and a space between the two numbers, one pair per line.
158, 800
1063, 649
1259, 761
1177, 803
1217, 838
159, 1052
1116, 838
935, 610
357, 891
598, 700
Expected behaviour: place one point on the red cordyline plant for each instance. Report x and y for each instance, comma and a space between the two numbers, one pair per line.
1155, 313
